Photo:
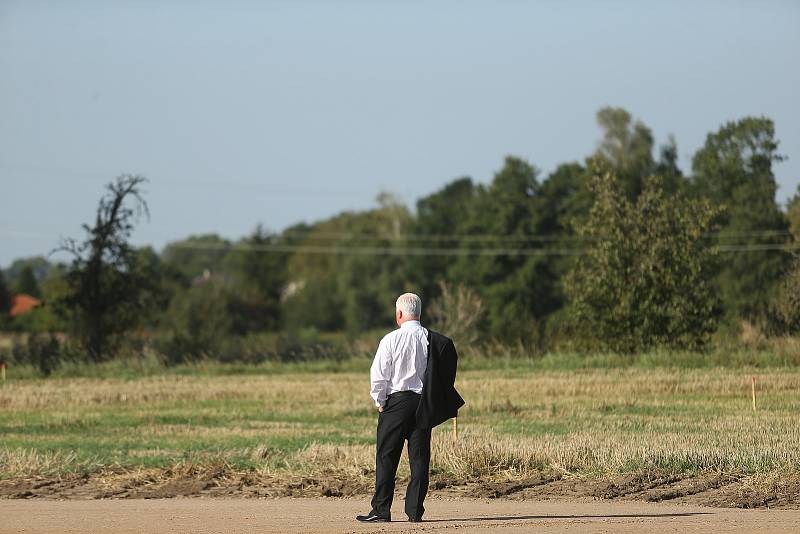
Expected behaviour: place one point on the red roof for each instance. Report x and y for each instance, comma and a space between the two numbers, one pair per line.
22, 304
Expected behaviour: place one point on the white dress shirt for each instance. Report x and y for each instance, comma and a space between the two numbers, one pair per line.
400, 362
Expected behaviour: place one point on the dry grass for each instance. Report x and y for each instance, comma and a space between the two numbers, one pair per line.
588, 423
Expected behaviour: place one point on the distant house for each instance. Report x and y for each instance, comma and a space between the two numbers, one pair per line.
22, 304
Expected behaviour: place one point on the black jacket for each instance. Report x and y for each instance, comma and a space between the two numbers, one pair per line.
440, 401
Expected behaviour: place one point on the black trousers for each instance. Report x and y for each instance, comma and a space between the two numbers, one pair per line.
396, 424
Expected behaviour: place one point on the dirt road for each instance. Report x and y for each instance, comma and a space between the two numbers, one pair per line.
326, 515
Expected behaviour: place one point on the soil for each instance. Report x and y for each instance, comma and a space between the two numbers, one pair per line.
328, 515
705, 490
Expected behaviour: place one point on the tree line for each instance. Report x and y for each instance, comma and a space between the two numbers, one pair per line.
621, 251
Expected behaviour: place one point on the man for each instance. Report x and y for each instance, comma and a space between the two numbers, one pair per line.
412, 378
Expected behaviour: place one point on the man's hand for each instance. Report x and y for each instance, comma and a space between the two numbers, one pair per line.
380, 409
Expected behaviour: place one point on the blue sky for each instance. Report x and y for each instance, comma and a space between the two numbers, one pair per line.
279, 112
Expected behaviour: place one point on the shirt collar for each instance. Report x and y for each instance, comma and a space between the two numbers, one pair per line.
410, 324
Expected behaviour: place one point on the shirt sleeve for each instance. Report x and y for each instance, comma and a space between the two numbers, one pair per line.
380, 373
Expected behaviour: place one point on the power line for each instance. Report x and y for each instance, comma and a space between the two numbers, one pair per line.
415, 251
435, 237
528, 238
381, 251
367, 250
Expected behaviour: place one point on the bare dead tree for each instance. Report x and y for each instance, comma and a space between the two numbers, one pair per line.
106, 288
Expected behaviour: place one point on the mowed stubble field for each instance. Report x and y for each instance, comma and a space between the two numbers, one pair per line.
659, 434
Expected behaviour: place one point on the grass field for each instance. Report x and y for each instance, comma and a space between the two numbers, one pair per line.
595, 423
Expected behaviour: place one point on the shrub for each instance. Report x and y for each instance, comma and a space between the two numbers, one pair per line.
647, 278
42, 351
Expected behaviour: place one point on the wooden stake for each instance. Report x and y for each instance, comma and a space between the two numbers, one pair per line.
754, 393
455, 428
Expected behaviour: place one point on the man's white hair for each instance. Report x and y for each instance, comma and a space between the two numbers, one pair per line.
410, 304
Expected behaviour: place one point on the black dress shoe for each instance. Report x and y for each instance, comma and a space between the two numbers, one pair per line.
372, 518
414, 519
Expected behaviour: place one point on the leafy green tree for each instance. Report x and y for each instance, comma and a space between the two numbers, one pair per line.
737, 154
646, 279
257, 265
40, 265
105, 286
48, 318
197, 322
517, 288
311, 297
196, 254
382, 231
438, 225
793, 216
27, 283
734, 170
5, 296
565, 200
159, 283
312, 303
667, 168
785, 304
627, 147
354, 288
